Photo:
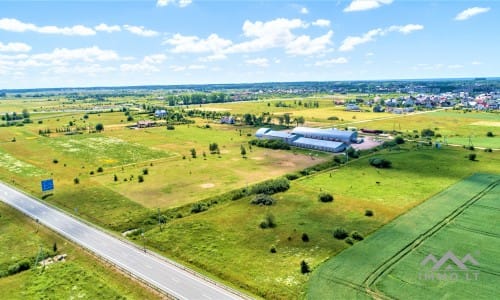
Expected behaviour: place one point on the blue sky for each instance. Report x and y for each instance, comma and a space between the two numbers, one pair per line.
109, 43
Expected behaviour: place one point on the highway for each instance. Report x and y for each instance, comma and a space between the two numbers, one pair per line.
156, 271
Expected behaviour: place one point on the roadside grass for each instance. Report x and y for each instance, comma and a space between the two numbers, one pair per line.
80, 276
401, 245
227, 239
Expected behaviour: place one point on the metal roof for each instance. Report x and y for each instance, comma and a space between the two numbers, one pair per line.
318, 143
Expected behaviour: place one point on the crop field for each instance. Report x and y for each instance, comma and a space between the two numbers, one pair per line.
388, 264
80, 276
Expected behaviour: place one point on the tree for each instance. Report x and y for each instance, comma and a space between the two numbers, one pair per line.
26, 114
472, 156
399, 140
305, 238
140, 178
115, 178
490, 134
193, 153
300, 120
325, 197
304, 267
427, 132
54, 247
99, 127
76, 180
243, 151
287, 119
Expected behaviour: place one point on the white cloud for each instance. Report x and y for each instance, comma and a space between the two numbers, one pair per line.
107, 28
18, 26
184, 68
84, 54
476, 63
149, 64
140, 30
304, 11
360, 5
333, 61
180, 3
87, 69
193, 44
213, 57
407, 29
470, 12
321, 23
260, 62
456, 66
304, 45
14, 47
351, 42
271, 34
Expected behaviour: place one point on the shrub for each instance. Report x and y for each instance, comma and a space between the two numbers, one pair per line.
91, 172
115, 178
349, 241
100, 170
140, 178
333, 118
357, 236
263, 199
325, 197
380, 162
388, 144
198, 207
145, 171
268, 222
340, 233
170, 127
273, 249
305, 237
55, 160
76, 180
427, 132
369, 213
490, 134
304, 267
292, 176
472, 156
399, 140
488, 150
272, 186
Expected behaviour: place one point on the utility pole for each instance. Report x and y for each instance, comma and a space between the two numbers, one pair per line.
159, 218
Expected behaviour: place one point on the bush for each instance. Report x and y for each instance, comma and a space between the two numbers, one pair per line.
333, 118
472, 156
340, 233
273, 249
271, 144
198, 207
292, 176
263, 199
304, 267
349, 241
140, 178
380, 162
427, 132
272, 186
268, 222
100, 170
399, 140
369, 213
170, 127
305, 238
55, 160
490, 134
325, 197
145, 171
76, 180
488, 150
357, 236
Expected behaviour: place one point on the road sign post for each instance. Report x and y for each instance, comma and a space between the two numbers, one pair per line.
47, 186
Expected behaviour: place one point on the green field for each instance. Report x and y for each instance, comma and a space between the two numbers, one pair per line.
387, 264
96, 177
80, 276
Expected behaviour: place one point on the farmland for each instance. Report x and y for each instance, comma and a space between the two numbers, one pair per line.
96, 176
452, 220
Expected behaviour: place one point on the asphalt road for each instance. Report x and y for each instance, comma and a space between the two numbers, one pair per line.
156, 271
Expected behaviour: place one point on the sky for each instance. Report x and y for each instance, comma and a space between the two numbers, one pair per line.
164, 42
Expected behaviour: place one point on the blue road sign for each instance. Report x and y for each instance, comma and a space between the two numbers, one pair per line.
47, 185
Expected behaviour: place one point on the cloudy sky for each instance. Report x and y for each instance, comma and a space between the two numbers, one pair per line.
141, 42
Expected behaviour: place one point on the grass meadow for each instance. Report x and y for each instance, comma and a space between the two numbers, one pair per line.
80, 276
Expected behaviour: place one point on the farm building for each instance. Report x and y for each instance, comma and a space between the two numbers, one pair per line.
320, 145
331, 134
311, 138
